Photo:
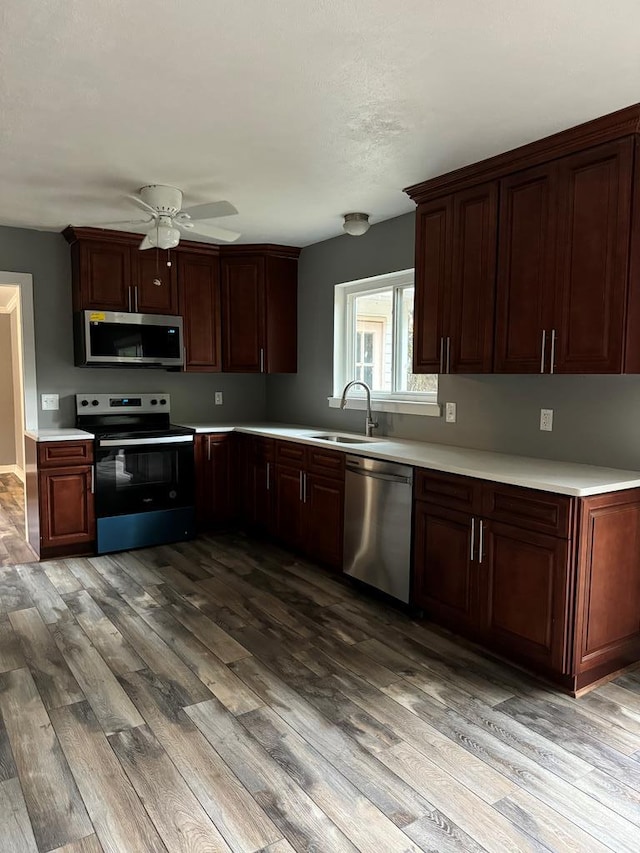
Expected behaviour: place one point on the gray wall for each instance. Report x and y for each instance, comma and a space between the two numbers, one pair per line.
596, 418
7, 419
46, 256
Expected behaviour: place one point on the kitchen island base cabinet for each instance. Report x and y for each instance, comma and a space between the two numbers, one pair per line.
548, 581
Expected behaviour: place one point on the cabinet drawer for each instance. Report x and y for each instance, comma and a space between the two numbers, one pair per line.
326, 463
448, 490
529, 508
54, 454
288, 452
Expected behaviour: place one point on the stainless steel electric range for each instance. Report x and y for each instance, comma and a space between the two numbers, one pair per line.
144, 470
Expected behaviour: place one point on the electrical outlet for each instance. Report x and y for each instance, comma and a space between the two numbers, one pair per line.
218, 398
546, 420
450, 412
50, 402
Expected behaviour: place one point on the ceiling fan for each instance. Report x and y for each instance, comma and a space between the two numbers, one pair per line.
167, 220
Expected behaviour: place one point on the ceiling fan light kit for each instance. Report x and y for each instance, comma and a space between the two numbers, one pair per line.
356, 224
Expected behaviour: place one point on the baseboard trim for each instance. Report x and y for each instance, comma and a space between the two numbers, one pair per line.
13, 469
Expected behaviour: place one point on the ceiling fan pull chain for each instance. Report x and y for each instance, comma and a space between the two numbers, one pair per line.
157, 280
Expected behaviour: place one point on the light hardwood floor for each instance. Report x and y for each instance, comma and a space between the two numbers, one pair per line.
13, 548
222, 695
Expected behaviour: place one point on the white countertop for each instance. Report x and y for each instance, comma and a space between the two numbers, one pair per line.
59, 434
564, 478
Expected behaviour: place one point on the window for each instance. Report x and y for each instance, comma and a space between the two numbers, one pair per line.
374, 343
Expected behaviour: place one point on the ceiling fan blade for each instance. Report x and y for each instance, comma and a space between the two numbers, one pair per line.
211, 210
208, 230
122, 222
137, 200
146, 243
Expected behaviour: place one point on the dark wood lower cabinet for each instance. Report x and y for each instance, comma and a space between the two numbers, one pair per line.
215, 493
324, 516
289, 506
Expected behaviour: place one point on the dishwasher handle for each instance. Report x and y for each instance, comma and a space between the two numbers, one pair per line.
375, 475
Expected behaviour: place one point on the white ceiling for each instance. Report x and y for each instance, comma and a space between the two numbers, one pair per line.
297, 111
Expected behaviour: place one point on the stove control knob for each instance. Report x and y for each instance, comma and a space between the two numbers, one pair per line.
84, 402
163, 402
154, 402
95, 402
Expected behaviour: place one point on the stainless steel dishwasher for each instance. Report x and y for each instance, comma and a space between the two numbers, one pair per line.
377, 524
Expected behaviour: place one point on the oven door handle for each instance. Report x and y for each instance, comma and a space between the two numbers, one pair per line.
139, 442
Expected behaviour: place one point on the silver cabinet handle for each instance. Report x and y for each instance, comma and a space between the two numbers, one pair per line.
304, 491
301, 487
135, 294
208, 448
262, 360
268, 476
473, 536
93, 480
481, 542
544, 346
129, 292
553, 351
448, 355
441, 355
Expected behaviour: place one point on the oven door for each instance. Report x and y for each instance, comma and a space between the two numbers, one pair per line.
143, 475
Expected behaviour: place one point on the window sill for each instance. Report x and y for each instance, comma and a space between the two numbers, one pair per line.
398, 407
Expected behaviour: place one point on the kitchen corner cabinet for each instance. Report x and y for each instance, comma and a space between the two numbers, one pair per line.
550, 235
259, 310
60, 500
549, 581
199, 277
309, 501
215, 492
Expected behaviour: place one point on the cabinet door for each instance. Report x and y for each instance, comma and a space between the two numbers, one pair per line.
289, 506
526, 271
204, 499
524, 594
199, 288
281, 315
433, 274
473, 280
155, 285
243, 314
215, 504
66, 507
593, 247
324, 508
104, 276
444, 578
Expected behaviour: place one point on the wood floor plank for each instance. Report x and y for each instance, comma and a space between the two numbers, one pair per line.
392, 796
362, 823
109, 642
57, 813
121, 822
111, 705
16, 832
55, 681
436, 832
61, 577
240, 820
122, 582
136, 569
11, 656
8, 768
182, 823
44, 595
90, 844
13, 593
295, 814
616, 796
281, 846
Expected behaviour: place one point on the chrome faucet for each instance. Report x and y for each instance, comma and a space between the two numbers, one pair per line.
370, 424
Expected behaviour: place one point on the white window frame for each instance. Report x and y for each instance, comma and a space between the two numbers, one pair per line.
416, 403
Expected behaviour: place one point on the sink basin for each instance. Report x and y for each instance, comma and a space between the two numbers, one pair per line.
341, 439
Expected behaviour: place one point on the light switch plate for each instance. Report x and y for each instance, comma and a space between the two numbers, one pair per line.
546, 420
50, 402
218, 398
450, 412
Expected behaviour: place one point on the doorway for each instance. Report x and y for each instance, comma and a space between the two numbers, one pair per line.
17, 392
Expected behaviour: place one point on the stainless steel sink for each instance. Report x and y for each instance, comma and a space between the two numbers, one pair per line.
341, 439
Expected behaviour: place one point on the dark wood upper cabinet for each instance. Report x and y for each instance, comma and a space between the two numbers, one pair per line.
102, 276
199, 278
526, 270
473, 279
592, 258
155, 285
259, 312
434, 223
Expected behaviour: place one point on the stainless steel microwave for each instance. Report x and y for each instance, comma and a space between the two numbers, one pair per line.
122, 339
